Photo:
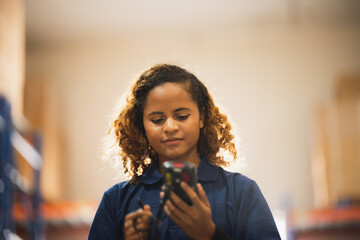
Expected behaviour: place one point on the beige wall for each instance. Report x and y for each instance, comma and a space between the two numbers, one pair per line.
12, 52
268, 79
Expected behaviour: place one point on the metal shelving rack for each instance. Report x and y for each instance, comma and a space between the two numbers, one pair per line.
12, 183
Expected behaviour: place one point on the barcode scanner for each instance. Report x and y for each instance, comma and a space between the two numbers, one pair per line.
176, 171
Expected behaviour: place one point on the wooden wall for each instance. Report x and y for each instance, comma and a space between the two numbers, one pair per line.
336, 159
12, 53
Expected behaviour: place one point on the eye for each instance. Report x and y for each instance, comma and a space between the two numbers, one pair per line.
157, 121
182, 117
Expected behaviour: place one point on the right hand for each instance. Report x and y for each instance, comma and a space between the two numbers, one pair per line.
194, 220
142, 222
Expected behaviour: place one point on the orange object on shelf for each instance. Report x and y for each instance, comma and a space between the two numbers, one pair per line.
62, 220
73, 213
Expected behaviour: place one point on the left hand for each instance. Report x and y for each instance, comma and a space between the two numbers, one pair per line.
143, 222
194, 220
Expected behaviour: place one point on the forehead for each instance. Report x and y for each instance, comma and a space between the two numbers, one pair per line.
169, 95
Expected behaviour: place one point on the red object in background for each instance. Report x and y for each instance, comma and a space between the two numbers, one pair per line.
326, 224
62, 220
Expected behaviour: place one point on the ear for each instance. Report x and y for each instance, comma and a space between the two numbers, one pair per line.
202, 118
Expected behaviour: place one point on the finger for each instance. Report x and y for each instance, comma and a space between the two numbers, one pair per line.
130, 231
130, 216
134, 214
141, 236
147, 207
143, 220
173, 217
127, 226
162, 195
143, 212
138, 225
175, 214
179, 203
190, 192
142, 217
202, 194
142, 226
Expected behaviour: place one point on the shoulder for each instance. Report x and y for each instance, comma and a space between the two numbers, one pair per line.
253, 216
236, 177
108, 216
115, 192
239, 183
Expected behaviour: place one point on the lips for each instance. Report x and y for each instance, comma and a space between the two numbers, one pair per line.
172, 141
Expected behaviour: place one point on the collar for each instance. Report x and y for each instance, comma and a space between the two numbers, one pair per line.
206, 172
152, 175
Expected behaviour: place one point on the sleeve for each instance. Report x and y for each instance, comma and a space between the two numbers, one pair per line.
104, 225
256, 214
220, 234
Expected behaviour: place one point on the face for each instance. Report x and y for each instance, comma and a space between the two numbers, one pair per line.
172, 123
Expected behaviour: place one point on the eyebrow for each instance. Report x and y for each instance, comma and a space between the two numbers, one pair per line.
176, 110
181, 109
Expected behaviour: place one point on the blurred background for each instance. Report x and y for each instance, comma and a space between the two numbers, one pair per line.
287, 72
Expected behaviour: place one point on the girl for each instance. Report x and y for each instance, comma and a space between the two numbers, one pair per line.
171, 116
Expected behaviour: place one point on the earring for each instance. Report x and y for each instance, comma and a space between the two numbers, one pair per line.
151, 152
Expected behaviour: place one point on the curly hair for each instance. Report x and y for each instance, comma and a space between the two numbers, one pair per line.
135, 151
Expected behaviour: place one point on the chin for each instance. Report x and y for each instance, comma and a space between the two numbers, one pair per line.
171, 157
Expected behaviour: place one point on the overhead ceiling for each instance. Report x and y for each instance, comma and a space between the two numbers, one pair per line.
57, 20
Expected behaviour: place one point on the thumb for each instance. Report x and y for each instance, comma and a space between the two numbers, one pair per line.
147, 207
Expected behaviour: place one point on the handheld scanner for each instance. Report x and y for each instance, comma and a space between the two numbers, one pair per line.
177, 171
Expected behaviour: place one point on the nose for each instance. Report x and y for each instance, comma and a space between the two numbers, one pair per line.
170, 125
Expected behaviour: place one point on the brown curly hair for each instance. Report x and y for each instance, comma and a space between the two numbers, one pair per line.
136, 154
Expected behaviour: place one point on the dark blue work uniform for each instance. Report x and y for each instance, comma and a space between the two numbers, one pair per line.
237, 205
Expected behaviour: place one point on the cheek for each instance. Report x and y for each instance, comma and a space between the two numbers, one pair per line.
151, 133
194, 131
